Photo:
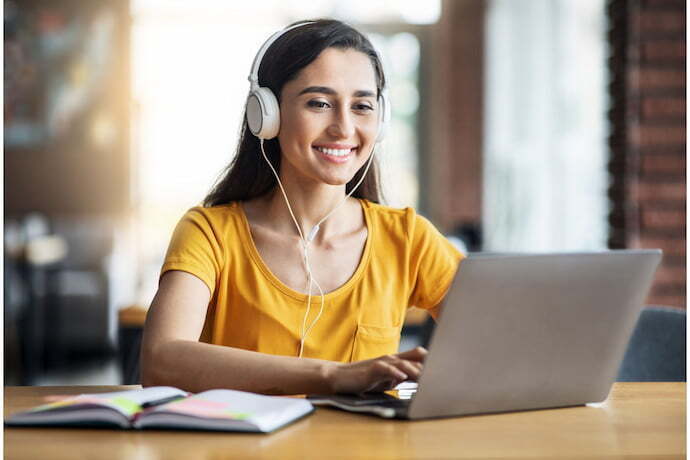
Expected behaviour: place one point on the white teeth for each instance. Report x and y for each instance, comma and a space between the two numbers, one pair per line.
334, 152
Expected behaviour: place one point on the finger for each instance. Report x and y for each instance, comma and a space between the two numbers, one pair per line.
388, 371
418, 365
383, 376
386, 385
416, 354
411, 368
383, 386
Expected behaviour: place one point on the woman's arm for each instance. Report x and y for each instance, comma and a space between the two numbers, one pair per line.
172, 354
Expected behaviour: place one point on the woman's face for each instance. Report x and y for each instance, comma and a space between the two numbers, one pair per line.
329, 118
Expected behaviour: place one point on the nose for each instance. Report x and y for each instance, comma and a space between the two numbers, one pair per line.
343, 125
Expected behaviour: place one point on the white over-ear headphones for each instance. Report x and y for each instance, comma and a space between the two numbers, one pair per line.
263, 111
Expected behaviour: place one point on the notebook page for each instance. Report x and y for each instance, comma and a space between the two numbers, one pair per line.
263, 411
127, 402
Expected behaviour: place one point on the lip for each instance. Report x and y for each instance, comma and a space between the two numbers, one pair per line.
336, 146
332, 158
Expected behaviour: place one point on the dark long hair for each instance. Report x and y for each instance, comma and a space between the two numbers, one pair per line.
248, 176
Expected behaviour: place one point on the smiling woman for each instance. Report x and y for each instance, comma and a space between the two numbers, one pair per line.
296, 221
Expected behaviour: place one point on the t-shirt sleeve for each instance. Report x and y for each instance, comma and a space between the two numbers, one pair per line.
433, 263
194, 248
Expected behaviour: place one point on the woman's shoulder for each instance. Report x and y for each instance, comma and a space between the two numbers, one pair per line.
214, 216
387, 211
399, 220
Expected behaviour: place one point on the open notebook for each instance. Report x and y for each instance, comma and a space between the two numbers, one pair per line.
169, 408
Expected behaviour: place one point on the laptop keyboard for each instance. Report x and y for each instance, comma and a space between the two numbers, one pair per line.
382, 404
373, 400
394, 403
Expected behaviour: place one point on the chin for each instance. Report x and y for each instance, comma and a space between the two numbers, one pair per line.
336, 182
339, 178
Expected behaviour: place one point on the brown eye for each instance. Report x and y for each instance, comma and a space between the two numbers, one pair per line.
318, 104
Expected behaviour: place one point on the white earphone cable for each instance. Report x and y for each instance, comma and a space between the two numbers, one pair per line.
312, 234
306, 241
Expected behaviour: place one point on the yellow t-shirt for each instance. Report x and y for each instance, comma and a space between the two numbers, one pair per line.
406, 262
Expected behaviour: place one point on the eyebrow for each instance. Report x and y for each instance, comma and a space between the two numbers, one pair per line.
331, 91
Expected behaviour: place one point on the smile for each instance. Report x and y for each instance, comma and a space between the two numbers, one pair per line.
335, 155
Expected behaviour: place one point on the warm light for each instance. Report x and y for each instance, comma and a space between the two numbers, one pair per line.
420, 12
356, 11
190, 65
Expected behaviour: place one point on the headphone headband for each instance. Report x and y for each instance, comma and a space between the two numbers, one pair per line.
254, 74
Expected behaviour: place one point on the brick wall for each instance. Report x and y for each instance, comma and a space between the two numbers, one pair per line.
648, 136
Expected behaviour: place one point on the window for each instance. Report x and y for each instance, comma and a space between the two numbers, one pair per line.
545, 174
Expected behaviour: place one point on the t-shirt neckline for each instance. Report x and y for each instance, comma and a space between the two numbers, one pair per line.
248, 242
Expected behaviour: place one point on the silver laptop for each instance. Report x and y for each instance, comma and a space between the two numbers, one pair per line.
521, 332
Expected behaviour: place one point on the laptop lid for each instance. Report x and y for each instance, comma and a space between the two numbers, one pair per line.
533, 331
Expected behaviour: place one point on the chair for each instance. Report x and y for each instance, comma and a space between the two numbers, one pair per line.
657, 348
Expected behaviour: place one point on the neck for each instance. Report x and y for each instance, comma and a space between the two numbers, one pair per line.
309, 205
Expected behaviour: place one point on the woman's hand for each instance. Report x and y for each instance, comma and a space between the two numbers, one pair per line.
378, 374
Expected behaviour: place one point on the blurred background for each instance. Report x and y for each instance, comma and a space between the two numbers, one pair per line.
540, 125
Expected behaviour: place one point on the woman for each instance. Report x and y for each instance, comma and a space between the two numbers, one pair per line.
292, 278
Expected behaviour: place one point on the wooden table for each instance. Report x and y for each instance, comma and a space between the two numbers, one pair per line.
639, 420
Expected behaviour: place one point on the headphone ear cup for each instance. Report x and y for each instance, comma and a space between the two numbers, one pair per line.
384, 117
263, 113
